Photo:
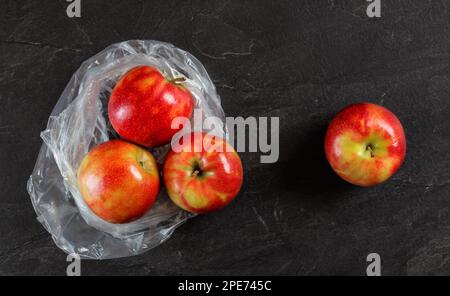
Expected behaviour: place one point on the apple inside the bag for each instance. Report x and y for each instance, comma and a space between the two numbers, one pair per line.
144, 103
204, 175
119, 181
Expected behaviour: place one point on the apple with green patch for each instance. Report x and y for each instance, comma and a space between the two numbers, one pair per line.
119, 181
365, 144
203, 174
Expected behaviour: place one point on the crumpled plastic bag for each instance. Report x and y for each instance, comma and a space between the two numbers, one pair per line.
79, 122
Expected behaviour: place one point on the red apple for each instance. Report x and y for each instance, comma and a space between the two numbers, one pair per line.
365, 144
119, 181
143, 104
203, 181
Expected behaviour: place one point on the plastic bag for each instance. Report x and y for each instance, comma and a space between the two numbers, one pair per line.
79, 122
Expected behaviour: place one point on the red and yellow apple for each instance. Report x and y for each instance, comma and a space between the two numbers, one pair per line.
144, 103
119, 181
365, 144
204, 174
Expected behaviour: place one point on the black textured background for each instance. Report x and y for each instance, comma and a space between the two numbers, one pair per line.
299, 60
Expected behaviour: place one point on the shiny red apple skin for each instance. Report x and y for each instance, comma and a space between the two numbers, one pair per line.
144, 103
365, 144
119, 181
218, 183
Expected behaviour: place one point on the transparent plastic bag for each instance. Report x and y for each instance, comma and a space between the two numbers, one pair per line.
79, 122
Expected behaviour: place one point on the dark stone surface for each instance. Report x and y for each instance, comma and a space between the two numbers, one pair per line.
299, 60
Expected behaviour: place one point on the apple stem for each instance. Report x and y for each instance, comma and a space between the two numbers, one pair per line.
370, 149
177, 80
197, 170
